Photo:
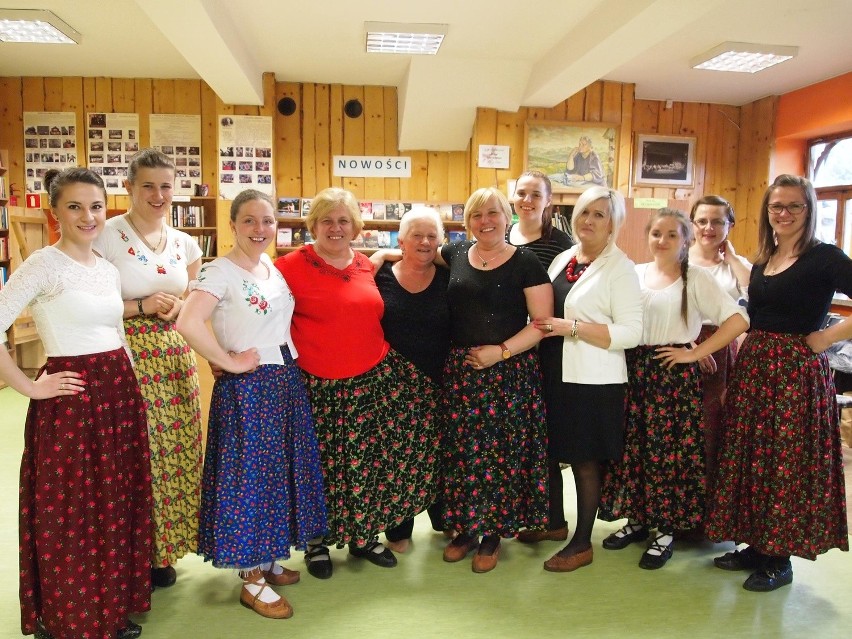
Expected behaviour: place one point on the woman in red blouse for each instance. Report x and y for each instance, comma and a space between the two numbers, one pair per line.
372, 408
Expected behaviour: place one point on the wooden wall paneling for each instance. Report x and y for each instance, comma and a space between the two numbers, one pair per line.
486, 133
72, 100
646, 116
53, 94
288, 144
575, 107
556, 112
322, 139
391, 138
510, 132
437, 177
415, 188
32, 94
665, 119
611, 103
103, 95
536, 114
729, 132
374, 143
164, 96
270, 104
335, 128
700, 127
187, 99
143, 92
11, 128
311, 130
209, 141
124, 95
353, 137
594, 102
625, 139
458, 176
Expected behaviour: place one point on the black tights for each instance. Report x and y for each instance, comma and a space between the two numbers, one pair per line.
588, 476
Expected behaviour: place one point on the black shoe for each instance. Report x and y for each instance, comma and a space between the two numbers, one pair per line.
653, 562
319, 562
130, 631
746, 559
635, 533
41, 632
384, 559
771, 577
163, 577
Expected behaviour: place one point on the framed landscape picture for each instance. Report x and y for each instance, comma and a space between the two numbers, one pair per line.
664, 160
574, 155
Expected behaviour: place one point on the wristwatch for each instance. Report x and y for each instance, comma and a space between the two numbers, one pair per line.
506, 352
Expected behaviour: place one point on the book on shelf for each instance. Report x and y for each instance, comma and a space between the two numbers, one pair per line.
457, 236
288, 207
458, 212
379, 211
208, 246
371, 238
393, 210
4, 275
4, 217
284, 237
394, 239
366, 209
384, 239
298, 237
446, 211
4, 248
2, 187
358, 242
306, 206
187, 216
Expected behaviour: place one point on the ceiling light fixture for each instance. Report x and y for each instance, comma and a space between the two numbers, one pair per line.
742, 57
35, 26
396, 37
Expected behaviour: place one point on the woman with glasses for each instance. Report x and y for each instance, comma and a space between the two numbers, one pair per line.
712, 219
780, 486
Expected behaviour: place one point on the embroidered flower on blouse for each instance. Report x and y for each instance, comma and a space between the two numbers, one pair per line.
256, 300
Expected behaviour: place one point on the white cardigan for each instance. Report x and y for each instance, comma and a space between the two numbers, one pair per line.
607, 293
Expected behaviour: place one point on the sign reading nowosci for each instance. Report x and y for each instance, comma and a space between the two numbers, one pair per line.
371, 166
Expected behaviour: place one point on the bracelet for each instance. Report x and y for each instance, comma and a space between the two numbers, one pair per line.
139, 306
574, 326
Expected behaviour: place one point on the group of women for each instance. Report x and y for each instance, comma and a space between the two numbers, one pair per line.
353, 395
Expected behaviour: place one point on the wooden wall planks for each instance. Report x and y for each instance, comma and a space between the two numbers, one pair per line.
733, 144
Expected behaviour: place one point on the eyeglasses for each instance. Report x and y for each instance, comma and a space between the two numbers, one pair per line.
795, 208
715, 223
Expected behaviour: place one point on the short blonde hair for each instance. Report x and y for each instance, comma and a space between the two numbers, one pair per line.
593, 194
478, 199
421, 213
332, 198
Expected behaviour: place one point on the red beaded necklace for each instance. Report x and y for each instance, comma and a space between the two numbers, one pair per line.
574, 269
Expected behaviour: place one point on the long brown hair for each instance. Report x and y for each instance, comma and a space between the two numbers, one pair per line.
547, 214
766, 236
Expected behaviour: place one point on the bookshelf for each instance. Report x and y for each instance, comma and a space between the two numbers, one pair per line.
381, 223
196, 216
5, 255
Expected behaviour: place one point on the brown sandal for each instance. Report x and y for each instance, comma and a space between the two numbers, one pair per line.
280, 609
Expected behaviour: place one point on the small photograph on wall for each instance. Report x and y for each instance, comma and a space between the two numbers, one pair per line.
574, 155
664, 160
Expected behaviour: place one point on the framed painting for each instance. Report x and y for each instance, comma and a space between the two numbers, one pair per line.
574, 155
664, 160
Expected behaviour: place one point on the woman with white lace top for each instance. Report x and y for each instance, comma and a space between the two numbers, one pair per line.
85, 497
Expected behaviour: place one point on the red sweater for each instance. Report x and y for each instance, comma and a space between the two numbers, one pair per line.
337, 322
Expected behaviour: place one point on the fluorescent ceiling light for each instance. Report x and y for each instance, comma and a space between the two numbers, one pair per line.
35, 25
396, 37
742, 57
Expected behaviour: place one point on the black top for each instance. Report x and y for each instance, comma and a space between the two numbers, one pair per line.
488, 307
417, 325
546, 250
798, 299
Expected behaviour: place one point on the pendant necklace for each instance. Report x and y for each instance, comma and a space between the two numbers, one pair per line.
483, 260
142, 235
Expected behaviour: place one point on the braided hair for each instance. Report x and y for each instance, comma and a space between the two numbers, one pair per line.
686, 236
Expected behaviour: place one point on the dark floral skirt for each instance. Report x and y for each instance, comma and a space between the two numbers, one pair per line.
85, 527
714, 386
495, 446
378, 443
780, 485
262, 488
660, 480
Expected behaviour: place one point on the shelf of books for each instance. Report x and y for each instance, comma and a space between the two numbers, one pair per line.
381, 223
196, 216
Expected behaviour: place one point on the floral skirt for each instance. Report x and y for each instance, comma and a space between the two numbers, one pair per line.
780, 485
262, 486
378, 443
166, 370
85, 503
495, 446
660, 480
714, 386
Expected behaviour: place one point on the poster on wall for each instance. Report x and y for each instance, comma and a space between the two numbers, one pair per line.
245, 154
50, 142
179, 137
111, 140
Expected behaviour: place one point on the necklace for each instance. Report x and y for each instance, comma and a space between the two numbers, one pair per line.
574, 269
483, 260
142, 235
772, 270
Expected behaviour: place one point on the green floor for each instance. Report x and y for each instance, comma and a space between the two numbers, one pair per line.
425, 597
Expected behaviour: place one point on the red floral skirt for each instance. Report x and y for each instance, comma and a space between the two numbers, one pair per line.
780, 484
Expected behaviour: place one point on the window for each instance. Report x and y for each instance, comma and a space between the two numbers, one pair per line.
830, 170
